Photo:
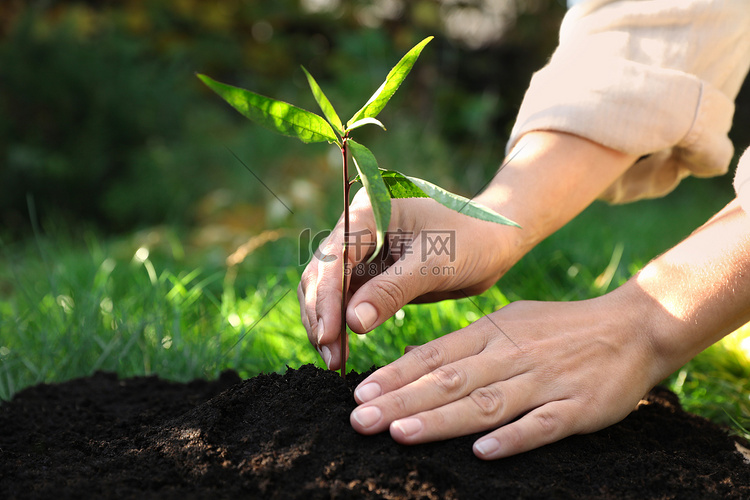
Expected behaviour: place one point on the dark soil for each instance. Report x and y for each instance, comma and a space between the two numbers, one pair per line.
288, 436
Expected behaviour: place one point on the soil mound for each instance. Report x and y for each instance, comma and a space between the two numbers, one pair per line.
288, 436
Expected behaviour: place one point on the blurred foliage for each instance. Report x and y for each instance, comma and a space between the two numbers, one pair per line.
102, 120
77, 122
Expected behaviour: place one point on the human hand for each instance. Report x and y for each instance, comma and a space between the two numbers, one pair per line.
549, 178
563, 368
435, 253
536, 372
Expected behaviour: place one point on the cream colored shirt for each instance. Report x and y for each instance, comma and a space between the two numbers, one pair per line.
654, 78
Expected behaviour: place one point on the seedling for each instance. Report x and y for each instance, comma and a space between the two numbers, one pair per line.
380, 185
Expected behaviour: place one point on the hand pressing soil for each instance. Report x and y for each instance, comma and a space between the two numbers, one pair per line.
288, 436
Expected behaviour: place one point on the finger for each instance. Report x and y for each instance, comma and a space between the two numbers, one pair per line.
324, 301
417, 362
331, 269
307, 296
544, 425
322, 286
406, 279
472, 382
423, 359
332, 353
486, 407
312, 331
303, 315
325, 355
469, 385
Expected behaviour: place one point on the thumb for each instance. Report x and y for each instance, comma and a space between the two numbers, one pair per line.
384, 294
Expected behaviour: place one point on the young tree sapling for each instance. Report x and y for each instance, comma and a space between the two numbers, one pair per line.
380, 185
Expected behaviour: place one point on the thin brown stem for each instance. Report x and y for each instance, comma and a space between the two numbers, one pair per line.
345, 258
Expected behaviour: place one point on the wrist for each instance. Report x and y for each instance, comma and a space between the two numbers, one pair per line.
645, 321
696, 292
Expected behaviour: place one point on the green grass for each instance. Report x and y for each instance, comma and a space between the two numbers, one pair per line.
148, 305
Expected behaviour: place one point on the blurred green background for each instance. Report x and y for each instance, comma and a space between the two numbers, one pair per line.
133, 239
103, 122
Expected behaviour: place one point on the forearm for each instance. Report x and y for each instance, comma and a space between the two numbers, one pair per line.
695, 293
549, 178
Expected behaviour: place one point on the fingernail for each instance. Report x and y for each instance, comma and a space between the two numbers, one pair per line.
368, 392
487, 447
368, 416
321, 330
366, 314
325, 353
408, 426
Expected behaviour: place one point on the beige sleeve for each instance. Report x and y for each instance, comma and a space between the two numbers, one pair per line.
653, 78
742, 181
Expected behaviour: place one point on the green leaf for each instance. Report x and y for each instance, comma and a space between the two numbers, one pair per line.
367, 166
380, 98
399, 186
402, 186
325, 105
363, 122
277, 116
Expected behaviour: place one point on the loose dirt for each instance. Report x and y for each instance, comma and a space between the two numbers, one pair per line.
288, 436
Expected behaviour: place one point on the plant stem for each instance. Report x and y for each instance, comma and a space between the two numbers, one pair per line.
345, 257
